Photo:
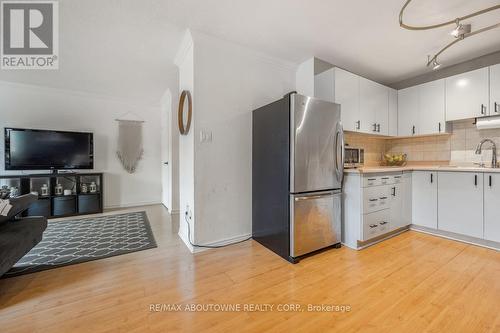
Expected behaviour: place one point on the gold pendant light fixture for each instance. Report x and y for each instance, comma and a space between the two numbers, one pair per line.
460, 32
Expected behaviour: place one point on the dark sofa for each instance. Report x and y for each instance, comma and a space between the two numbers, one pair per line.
19, 235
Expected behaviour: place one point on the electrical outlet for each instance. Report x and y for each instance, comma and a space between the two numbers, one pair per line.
188, 212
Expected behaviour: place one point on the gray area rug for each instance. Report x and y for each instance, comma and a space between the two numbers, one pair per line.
71, 242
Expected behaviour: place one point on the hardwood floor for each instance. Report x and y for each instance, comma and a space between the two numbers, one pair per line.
411, 283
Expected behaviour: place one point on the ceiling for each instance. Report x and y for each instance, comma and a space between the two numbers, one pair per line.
125, 48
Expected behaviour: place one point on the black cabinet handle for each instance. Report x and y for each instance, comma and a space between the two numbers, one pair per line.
439, 127
373, 200
413, 130
496, 107
482, 109
378, 128
374, 127
383, 198
394, 191
358, 124
475, 180
491, 181
432, 178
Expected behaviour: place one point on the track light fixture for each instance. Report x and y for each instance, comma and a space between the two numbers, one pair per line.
434, 62
435, 65
460, 32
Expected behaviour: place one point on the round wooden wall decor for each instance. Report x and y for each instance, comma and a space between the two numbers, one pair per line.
185, 125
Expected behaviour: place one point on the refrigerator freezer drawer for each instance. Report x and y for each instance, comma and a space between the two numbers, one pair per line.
315, 221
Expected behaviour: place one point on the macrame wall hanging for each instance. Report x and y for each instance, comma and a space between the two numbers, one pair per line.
130, 146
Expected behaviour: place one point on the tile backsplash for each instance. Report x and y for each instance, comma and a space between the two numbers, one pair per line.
458, 147
374, 147
431, 148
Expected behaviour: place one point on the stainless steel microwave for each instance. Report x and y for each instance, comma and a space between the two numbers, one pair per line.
354, 157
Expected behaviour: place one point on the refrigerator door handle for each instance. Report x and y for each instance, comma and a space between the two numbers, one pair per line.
317, 196
340, 154
308, 198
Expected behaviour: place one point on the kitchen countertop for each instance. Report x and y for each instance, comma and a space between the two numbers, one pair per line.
456, 168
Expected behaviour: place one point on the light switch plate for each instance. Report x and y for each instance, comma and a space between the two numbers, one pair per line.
205, 136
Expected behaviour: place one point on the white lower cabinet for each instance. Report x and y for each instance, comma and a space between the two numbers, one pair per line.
460, 203
424, 199
492, 207
375, 224
375, 198
375, 205
465, 203
400, 207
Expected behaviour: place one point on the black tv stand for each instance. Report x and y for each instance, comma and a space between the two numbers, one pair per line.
54, 205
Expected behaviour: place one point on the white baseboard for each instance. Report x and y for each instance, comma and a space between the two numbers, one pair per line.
183, 237
135, 204
457, 237
376, 240
222, 242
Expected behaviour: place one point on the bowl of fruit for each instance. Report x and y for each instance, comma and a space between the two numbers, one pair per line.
394, 159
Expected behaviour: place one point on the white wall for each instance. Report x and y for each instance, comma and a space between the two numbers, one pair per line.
230, 81
185, 62
46, 108
304, 77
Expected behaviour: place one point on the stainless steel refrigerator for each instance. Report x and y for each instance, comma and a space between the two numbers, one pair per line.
297, 174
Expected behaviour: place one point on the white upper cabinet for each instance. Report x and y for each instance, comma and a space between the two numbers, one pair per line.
393, 112
460, 203
339, 86
421, 109
467, 95
347, 95
495, 90
374, 107
432, 107
364, 103
369, 107
408, 109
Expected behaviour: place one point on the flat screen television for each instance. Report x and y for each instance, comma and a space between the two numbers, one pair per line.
33, 149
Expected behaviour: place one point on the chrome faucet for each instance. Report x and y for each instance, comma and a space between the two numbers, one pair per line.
493, 151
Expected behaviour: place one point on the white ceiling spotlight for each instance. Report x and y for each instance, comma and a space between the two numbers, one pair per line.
435, 64
460, 32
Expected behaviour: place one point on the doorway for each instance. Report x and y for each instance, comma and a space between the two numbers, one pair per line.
166, 150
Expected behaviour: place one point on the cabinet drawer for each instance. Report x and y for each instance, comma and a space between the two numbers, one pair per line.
397, 179
386, 180
375, 224
370, 181
375, 199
